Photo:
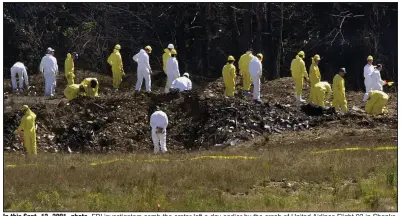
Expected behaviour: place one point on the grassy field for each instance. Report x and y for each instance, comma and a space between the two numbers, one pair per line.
280, 174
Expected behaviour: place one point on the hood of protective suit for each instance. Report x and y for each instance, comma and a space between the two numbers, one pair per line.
142, 51
167, 50
69, 55
249, 52
298, 57
116, 51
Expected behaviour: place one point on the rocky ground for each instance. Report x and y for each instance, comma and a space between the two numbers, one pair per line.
202, 119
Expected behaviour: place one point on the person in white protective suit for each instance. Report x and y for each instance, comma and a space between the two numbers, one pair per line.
159, 123
182, 83
376, 81
172, 69
143, 69
255, 69
20, 70
368, 70
50, 69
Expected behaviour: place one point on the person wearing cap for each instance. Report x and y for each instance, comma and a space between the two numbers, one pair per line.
314, 74
69, 67
143, 69
172, 69
321, 92
368, 70
255, 69
91, 86
338, 85
183, 83
159, 122
19, 69
244, 63
28, 127
116, 62
50, 69
229, 77
166, 56
376, 81
376, 102
299, 73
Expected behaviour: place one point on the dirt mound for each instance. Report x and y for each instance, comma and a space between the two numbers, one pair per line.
201, 119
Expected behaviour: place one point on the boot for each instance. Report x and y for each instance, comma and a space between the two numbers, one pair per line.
301, 99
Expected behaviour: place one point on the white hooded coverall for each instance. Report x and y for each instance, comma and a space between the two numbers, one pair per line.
368, 70
20, 70
376, 81
159, 119
182, 83
255, 69
143, 70
50, 69
172, 68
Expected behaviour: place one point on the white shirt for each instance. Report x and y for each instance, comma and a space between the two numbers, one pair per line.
159, 119
255, 67
368, 70
172, 67
19, 68
49, 64
182, 83
376, 81
142, 59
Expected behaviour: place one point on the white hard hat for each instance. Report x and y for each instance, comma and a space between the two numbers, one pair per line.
49, 49
170, 46
366, 96
186, 74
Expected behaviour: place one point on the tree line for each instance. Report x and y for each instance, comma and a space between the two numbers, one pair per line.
204, 34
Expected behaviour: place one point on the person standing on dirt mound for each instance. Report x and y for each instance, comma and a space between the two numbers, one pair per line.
116, 62
28, 127
244, 63
159, 123
91, 86
19, 69
229, 77
50, 69
69, 67
321, 92
166, 56
299, 73
368, 70
376, 81
143, 69
255, 69
315, 75
182, 83
376, 102
172, 68
338, 85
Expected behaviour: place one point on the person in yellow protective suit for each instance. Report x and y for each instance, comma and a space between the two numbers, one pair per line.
91, 86
244, 63
377, 100
315, 75
69, 67
338, 86
229, 77
299, 73
74, 90
116, 62
29, 128
321, 92
166, 56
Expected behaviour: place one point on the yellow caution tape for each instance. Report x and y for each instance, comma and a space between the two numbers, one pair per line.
20, 165
104, 162
224, 157
356, 149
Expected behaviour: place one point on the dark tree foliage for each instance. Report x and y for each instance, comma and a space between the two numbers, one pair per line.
343, 34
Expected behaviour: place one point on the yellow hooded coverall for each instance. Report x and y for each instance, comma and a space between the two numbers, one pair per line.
92, 92
298, 69
229, 78
377, 102
339, 100
244, 62
321, 92
72, 91
28, 126
315, 77
116, 62
69, 69
165, 57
